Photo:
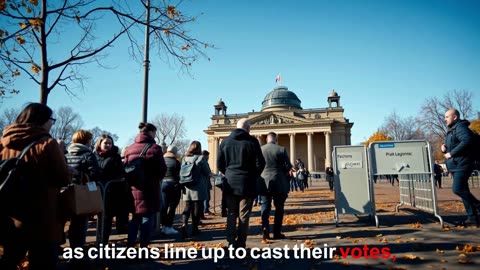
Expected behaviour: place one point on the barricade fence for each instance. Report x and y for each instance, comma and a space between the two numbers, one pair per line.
412, 163
416, 191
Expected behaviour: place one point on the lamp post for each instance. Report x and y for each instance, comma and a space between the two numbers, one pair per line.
146, 64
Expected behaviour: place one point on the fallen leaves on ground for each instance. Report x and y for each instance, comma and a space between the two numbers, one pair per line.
411, 257
416, 225
309, 243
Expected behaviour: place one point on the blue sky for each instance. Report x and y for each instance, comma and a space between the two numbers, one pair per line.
379, 56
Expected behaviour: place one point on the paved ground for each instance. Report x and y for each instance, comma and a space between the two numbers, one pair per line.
410, 239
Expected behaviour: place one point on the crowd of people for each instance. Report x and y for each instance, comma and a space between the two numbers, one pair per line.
35, 222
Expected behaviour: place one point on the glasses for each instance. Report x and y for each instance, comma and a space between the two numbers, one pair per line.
53, 120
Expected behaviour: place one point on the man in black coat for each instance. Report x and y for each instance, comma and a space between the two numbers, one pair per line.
457, 149
240, 159
276, 179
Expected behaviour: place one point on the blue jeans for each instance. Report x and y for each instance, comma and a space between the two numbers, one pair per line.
206, 203
460, 188
293, 184
279, 203
144, 222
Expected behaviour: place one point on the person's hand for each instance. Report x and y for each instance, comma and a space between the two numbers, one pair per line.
447, 156
444, 148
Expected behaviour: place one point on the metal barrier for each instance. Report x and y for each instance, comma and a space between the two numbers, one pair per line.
474, 178
101, 216
412, 162
416, 190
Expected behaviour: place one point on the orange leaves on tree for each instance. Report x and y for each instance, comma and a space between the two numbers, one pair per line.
475, 125
377, 137
23, 25
36, 23
16, 73
35, 2
35, 68
20, 40
3, 5
186, 47
172, 12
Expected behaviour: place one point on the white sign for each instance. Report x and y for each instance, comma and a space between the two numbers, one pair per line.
404, 157
351, 160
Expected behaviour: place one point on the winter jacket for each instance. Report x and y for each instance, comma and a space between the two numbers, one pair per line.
276, 169
48, 171
173, 167
147, 200
81, 158
240, 158
198, 192
111, 166
118, 195
459, 144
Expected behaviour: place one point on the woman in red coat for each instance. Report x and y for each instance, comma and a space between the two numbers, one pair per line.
147, 197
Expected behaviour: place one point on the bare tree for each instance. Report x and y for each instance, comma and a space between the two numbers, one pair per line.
401, 129
170, 129
67, 123
97, 132
431, 116
33, 43
8, 117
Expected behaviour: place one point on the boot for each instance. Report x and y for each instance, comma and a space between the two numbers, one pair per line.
265, 234
183, 231
195, 223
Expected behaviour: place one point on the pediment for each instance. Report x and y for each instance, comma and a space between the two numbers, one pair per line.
273, 118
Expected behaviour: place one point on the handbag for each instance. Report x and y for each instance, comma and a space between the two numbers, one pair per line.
82, 200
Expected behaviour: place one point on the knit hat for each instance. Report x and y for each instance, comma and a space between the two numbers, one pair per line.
172, 149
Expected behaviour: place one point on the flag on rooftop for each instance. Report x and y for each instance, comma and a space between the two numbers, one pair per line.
278, 79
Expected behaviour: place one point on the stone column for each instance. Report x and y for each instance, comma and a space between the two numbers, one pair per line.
292, 148
328, 150
310, 151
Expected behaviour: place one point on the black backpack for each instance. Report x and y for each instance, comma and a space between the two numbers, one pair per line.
475, 149
189, 173
12, 176
135, 169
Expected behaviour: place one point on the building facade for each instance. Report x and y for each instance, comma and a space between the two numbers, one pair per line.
308, 134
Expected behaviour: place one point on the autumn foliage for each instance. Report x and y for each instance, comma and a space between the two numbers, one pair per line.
378, 136
475, 125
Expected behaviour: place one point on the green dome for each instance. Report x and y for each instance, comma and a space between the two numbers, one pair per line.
281, 98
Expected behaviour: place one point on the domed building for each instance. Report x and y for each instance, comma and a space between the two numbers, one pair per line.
308, 134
